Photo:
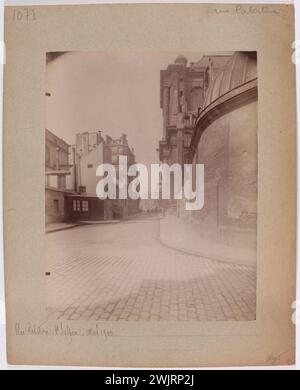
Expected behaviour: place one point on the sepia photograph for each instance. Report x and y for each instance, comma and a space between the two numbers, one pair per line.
150, 192
151, 186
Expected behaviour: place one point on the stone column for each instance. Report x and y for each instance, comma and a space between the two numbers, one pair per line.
177, 98
180, 146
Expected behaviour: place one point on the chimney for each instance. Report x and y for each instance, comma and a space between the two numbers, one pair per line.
124, 138
108, 140
99, 137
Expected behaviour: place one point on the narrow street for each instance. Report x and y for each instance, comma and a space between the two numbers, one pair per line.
123, 272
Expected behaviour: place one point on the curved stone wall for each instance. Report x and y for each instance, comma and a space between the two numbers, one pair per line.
225, 229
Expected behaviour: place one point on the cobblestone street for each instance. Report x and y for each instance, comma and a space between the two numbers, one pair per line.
122, 272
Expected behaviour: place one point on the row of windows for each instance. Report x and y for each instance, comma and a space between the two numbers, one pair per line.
80, 205
54, 156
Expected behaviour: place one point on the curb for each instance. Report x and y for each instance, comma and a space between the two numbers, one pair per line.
108, 222
83, 223
62, 228
203, 255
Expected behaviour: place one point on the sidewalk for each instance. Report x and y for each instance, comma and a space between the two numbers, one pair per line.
190, 239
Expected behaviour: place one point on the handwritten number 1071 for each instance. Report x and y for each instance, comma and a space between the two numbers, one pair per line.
25, 15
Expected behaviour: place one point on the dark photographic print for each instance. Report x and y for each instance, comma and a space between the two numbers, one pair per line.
151, 186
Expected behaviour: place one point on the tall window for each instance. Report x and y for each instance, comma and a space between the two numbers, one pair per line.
85, 205
61, 181
76, 205
80, 205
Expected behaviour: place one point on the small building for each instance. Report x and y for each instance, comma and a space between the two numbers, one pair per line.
87, 208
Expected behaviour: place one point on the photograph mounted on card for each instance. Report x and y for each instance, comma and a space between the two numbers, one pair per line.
149, 179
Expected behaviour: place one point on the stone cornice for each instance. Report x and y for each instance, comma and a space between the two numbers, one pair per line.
224, 104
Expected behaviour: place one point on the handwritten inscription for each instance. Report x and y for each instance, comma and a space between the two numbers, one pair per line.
25, 14
221, 10
61, 329
247, 10
275, 359
252, 10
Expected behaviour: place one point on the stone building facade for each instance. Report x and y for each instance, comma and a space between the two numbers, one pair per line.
182, 93
90, 150
57, 177
122, 208
223, 137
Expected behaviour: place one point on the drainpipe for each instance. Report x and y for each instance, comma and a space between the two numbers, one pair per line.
57, 159
75, 169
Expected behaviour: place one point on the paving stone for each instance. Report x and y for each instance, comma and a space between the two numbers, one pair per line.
129, 276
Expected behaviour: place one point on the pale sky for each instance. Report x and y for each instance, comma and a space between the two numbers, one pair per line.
112, 92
